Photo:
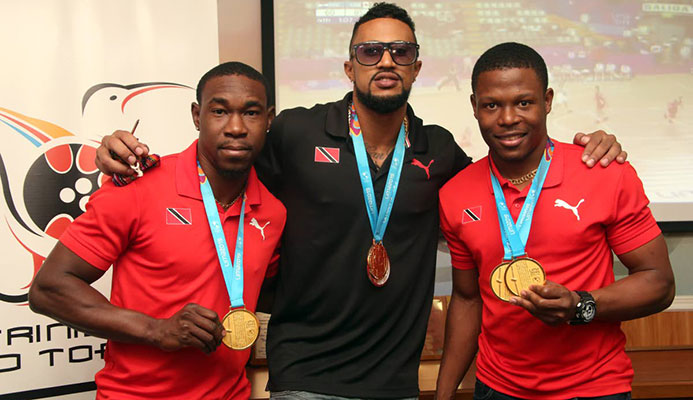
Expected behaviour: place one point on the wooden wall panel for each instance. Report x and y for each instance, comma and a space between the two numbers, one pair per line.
669, 329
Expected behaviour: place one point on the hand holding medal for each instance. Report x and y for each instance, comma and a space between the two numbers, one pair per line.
511, 278
551, 303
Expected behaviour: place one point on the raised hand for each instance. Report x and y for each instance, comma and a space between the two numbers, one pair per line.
117, 150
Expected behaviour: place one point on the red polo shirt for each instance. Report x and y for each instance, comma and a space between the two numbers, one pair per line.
581, 215
155, 233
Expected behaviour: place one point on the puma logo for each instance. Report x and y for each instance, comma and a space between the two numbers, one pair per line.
426, 168
254, 223
561, 203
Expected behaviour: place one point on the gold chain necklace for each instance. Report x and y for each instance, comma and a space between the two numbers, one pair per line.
523, 178
226, 206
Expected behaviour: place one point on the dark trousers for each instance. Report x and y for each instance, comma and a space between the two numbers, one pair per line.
483, 392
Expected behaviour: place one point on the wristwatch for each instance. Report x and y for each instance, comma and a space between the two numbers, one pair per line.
585, 309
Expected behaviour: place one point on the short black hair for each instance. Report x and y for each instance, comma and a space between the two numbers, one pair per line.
383, 10
234, 68
510, 55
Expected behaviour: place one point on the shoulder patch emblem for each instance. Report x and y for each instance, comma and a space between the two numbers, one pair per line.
471, 214
178, 216
326, 155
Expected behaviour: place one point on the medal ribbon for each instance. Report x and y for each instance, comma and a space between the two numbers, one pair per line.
233, 273
514, 235
377, 219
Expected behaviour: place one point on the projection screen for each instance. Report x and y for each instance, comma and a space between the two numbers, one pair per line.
624, 66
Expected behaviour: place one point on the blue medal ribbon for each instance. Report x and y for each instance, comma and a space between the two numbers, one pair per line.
514, 235
377, 219
233, 273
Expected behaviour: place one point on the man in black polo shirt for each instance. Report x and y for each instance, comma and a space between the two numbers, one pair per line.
343, 326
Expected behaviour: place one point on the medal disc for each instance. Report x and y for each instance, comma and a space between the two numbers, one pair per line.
497, 281
242, 329
522, 273
378, 264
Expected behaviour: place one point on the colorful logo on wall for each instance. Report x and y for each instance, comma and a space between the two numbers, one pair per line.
55, 187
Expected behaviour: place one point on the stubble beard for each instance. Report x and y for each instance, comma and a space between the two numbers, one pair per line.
233, 172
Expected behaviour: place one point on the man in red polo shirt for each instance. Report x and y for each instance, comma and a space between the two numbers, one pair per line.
530, 230
169, 284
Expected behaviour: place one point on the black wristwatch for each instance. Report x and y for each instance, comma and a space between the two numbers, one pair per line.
585, 309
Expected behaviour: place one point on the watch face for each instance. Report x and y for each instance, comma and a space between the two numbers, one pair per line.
589, 311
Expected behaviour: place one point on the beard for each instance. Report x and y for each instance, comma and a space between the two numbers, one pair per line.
382, 104
233, 174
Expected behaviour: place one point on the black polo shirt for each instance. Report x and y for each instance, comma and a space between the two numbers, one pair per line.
332, 331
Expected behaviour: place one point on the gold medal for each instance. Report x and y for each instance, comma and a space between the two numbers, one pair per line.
521, 273
378, 264
242, 329
497, 281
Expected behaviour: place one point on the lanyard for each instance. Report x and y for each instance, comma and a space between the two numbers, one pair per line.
377, 219
233, 273
514, 236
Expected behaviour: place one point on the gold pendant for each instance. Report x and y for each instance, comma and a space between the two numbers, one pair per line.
522, 273
497, 281
242, 329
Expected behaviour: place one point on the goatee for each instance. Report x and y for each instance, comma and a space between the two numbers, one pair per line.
382, 104
233, 174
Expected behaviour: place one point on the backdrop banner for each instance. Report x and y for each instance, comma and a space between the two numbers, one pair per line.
73, 71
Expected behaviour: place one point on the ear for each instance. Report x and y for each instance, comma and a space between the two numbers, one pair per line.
195, 111
417, 68
270, 117
349, 70
472, 100
548, 100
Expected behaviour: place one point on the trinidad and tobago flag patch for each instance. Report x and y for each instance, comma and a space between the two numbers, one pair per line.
178, 216
471, 214
327, 154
